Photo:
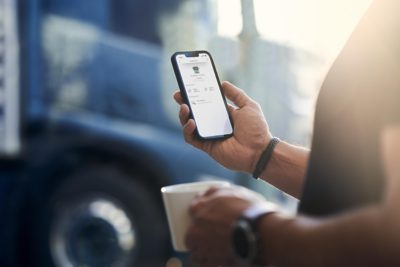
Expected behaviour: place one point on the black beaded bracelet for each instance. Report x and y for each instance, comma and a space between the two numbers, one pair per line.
265, 157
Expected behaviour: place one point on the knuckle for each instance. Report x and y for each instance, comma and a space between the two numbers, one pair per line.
186, 137
181, 111
212, 190
194, 209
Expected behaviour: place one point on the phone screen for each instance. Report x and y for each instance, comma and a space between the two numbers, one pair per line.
204, 95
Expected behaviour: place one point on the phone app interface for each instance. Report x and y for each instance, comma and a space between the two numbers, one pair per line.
206, 100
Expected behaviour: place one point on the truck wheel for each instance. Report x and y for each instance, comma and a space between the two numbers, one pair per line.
101, 217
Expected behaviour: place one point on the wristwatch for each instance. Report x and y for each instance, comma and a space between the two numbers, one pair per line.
245, 234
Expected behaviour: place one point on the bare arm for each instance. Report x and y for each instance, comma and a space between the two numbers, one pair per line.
251, 136
287, 167
361, 237
366, 237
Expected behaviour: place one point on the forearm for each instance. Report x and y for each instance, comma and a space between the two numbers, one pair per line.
286, 169
366, 237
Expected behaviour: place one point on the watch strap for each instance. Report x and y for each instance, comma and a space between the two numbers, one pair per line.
250, 218
265, 157
256, 211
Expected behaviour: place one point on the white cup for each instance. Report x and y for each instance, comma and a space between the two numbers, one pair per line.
177, 199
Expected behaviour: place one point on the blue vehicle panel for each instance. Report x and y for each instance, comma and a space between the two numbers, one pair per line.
94, 132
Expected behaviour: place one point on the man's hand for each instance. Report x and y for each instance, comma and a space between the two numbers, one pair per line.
213, 215
251, 133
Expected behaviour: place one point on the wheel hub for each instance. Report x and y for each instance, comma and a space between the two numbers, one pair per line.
93, 232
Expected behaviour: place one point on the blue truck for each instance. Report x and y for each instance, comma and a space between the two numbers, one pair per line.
95, 144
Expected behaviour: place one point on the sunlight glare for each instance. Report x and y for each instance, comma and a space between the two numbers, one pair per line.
229, 17
318, 26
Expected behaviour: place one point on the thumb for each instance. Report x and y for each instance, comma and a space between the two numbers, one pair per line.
235, 94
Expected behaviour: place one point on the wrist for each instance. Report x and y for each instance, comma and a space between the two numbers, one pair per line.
265, 157
256, 153
246, 236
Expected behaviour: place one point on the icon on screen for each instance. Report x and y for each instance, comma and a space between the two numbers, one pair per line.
196, 69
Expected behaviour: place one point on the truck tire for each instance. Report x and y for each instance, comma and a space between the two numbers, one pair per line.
101, 217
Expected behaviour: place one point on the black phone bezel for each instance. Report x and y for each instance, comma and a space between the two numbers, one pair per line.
184, 94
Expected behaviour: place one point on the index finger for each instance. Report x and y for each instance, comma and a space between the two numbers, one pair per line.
178, 97
200, 199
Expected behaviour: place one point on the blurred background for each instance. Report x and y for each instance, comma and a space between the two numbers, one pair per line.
88, 128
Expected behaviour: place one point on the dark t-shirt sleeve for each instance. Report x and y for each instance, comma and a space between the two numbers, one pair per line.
391, 106
388, 30
374, 57
360, 96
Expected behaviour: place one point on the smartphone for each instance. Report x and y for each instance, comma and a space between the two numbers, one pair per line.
201, 90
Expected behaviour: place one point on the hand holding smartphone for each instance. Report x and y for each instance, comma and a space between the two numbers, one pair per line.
201, 90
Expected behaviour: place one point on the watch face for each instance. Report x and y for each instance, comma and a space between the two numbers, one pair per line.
245, 234
244, 241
